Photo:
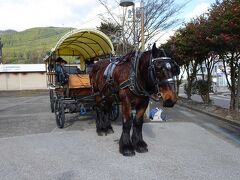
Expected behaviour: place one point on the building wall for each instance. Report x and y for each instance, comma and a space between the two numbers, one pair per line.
22, 81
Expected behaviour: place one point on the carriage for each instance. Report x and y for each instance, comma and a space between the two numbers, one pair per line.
70, 90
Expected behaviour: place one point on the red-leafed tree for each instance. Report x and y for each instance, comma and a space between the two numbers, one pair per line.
224, 28
190, 47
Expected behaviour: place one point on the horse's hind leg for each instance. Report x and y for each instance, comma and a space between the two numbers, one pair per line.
107, 125
103, 124
125, 144
100, 122
108, 129
137, 139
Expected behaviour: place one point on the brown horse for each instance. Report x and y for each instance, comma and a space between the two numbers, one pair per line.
135, 79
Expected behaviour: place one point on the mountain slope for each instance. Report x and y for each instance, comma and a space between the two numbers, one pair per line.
31, 45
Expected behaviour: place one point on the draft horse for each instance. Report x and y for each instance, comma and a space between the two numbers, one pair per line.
136, 78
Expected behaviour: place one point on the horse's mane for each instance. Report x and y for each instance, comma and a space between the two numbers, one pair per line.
127, 57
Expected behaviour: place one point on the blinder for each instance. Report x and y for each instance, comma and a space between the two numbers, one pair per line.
166, 63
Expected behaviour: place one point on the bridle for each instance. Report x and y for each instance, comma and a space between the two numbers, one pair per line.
168, 62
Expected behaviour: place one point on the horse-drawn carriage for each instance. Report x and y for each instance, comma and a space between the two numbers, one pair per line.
132, 80
68, 80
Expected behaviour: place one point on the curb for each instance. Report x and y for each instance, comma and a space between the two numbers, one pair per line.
233, 122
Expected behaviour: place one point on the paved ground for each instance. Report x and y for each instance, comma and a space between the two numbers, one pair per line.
31, 147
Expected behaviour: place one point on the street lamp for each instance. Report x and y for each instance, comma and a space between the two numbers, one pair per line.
142, 26
127, 3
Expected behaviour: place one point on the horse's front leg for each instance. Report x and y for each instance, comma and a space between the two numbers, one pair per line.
125, 144
137, 138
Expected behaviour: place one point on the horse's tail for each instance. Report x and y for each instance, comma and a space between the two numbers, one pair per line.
92, 77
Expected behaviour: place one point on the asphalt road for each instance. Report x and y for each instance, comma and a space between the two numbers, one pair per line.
189, 145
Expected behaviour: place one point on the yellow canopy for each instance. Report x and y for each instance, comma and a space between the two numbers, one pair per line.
85, 43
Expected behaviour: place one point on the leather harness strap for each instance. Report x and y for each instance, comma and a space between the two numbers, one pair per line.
133, 84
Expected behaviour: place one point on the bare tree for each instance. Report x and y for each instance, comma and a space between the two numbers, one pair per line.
159, 15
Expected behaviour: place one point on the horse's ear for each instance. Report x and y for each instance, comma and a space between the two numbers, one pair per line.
154, 51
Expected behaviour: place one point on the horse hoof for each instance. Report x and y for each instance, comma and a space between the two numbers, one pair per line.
110, 131
142, 149
128, 153
100, 133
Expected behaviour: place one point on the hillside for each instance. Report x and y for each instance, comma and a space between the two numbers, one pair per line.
31, 45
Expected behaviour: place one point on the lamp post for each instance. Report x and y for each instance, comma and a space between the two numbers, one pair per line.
127, 3
142, 26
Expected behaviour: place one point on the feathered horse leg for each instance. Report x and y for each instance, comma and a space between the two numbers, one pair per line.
137, 138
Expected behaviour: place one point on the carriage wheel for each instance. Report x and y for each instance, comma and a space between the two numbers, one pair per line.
59, 113
52, 100
114, 113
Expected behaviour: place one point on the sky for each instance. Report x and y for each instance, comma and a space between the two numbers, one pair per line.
24, 14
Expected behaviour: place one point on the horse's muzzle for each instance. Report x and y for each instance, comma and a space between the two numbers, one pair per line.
168, 103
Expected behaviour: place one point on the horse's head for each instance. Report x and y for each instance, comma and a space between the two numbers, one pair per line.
162, 72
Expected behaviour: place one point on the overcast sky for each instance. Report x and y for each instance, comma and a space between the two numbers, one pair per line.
24, 14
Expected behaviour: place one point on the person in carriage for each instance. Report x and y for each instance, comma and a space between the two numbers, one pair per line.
61, 74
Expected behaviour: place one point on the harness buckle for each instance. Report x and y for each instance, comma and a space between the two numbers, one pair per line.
131, 87
159, 95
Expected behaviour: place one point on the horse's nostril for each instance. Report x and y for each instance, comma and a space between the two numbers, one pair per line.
168, 103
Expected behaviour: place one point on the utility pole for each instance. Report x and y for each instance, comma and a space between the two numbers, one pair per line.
1, 45
142, 27
238, 91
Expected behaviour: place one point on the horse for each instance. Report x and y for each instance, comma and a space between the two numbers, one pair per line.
135, 79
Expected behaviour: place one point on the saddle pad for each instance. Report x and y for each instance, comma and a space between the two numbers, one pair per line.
79, 81
110, 68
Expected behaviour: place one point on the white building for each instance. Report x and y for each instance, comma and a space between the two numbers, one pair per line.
218, 77
22, 77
